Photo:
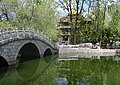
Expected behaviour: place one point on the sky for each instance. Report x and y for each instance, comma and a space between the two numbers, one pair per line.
64, 12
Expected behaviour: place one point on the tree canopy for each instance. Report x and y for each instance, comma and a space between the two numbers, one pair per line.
33, 14
104, 16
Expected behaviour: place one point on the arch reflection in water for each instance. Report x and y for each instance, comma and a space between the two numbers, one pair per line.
40, 73
27, 52
28, 69
3, 72
33, 67
47, 59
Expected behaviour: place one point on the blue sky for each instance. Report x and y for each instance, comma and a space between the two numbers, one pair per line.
64, 12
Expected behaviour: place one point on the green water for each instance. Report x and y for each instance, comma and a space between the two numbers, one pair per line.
64, 70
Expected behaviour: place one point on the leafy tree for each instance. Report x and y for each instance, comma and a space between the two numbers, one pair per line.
33, 14
69, 5
103, 17
104, 27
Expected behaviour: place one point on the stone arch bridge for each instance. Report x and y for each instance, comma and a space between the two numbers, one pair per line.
23, 44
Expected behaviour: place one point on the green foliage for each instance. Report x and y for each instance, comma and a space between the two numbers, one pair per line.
33, 14
105, 26
92, 71
5, 24
114, 23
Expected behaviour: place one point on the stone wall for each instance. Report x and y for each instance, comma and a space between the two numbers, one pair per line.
87, 50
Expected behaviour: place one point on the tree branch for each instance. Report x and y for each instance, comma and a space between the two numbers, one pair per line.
64, 6
82, 6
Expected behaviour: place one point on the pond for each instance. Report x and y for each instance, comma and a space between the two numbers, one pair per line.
65, 69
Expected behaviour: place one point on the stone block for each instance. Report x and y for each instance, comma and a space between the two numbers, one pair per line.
6, 50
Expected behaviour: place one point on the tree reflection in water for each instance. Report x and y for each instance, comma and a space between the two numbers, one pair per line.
89, 71
73, 70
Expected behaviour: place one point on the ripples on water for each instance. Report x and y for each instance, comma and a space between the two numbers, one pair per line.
67, 69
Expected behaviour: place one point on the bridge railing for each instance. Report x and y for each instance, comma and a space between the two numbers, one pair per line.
7, 35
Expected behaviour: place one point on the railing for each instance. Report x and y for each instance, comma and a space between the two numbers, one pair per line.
7, 35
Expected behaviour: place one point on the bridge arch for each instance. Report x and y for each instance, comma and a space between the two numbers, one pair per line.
28, 51
3, 62
47, 52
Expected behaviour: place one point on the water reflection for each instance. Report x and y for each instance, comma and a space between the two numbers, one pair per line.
47, 59
28, 73
3, 72
73, 69
89, 70
76, 56
28, 69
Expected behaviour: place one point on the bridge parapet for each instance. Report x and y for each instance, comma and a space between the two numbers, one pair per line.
10, 35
